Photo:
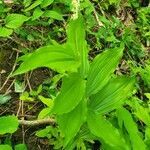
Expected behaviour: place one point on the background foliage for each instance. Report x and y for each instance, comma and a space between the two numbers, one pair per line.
85, 64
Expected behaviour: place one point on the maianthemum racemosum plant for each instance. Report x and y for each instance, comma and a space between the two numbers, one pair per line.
88, 90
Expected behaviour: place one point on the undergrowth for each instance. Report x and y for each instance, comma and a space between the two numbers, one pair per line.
78, 73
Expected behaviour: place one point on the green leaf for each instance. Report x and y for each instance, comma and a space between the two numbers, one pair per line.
53, 14
8, 124
147, 95
47, 101
58, 57
147, 136
35, 4
103, 129
101, 69
4, 98
71, 122
44, 132
4, 32
26, 97
37, 13
20, 147
46, 3
5, 147
14, 21
141, 112
125, 117
45, 112
26, 3
72, 92
112, 95
76, 34
19, 86
76, 37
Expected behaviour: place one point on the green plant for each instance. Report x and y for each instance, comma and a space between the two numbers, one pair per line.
88, 90
87, 98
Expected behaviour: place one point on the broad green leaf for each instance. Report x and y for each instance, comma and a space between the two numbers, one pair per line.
5, 147
112, 95
37, 13
76, 37
72, 92
4, 32
71, 122
58, 57
76, 34
101, 69
53, 14
103, 129
125, 117
8, 124
14, 21
20, 147
46, 3
35, 4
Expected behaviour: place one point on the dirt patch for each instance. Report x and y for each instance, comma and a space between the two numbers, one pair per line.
23, 134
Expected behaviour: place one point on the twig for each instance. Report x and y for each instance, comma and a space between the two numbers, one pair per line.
7, 79
100, 24
8, 89
22, 112
37, 122
19, 108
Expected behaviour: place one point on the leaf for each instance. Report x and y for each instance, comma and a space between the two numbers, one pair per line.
147, 95
4, 32
103, 129
125, 117
14, 21
8, 124
72, 92
26, 3
44, 132
112, 95
26, 97
76, 37
141, 112
5, 147
46, 3
19, 87
35, 4
71, 122
47, 101
58, 57
4, 98
53, 14
101, 69
20, 147
147, 136
37, 13
45, 112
